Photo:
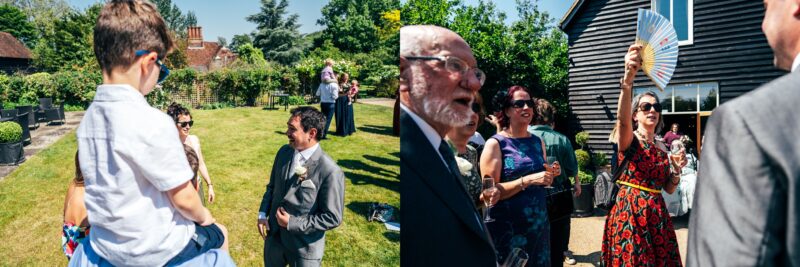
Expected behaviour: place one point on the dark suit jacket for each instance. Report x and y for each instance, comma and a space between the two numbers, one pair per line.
747, 200
315, 204
440, 226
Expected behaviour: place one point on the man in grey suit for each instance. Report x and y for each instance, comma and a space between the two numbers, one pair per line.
747, 199
304, 197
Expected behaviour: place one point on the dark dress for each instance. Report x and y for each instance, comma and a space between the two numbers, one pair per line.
345, 124
638, 229
521, 220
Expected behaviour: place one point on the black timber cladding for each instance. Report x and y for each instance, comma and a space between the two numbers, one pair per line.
729, 48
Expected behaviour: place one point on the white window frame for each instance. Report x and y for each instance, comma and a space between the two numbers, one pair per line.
671, 88
689, 22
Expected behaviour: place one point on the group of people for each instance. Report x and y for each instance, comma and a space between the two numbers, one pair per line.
745, 205
137, 198
336, 99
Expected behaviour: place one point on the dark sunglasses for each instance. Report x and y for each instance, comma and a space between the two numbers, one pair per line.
647, 106
522, 103
163, 70
476, 107
183, 124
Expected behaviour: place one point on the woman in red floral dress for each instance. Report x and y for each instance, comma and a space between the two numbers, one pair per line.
638, 229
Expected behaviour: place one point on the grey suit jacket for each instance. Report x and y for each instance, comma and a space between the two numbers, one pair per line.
315, 204
747, 200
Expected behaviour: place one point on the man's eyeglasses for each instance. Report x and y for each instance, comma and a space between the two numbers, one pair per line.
163, 70
647, 106
521, 103
453, 64
183, 124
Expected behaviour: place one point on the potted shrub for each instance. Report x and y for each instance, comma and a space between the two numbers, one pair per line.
11, 152
584, 204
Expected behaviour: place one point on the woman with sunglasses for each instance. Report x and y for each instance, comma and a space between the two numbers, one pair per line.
638, 230
516, 160
183, 121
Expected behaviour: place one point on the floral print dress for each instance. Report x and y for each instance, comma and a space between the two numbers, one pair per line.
521, 220
638, 229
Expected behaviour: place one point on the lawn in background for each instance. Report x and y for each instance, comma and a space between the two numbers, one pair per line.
239, 147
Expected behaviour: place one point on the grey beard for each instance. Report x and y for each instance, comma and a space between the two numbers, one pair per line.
439, 112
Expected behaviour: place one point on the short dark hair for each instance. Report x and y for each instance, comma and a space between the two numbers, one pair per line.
174, 110
310, 118
545, 112
502, 100
125, 26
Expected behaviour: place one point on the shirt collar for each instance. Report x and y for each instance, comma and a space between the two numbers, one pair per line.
308, 152
118, 92
431, 134
796, 62
539, 127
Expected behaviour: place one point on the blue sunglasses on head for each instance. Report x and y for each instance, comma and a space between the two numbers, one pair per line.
163, 70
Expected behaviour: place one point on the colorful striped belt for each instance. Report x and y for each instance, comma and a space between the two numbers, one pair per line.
639, 187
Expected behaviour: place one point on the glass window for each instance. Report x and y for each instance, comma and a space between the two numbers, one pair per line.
685, 97
680, 13
709, 96
664, 97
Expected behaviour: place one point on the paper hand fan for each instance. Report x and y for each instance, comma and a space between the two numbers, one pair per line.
659, 42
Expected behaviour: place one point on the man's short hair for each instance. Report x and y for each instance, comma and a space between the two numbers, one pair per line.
126, 26
545, 113
310, 118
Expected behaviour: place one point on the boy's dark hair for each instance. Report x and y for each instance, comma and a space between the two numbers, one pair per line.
310, 118
174, 110
545, 112
125, 26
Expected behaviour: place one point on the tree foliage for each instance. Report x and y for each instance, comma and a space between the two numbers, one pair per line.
173, 16
69, 46
251, 55
239, 40
355, 25
15, 22
191, 19
276, 32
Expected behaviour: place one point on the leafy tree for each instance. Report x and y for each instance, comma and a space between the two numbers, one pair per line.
276, 32
191, 19
173, 16
251, 55
70, 45
222, 41
177, 59
432, 12
15, 22
353, 25
238, 40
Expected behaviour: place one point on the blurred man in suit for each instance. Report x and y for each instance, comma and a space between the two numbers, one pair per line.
438, 77
747, 199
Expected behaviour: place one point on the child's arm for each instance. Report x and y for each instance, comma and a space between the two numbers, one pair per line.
185, 199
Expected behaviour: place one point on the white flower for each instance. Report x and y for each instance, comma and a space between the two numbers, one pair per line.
300, 171
464, 166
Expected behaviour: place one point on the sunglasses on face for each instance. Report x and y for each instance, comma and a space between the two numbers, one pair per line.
521, 103
183, 124
163, 71
454, 64
647, 106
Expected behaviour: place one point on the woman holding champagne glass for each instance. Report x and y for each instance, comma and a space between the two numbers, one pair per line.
516, 161
638, 230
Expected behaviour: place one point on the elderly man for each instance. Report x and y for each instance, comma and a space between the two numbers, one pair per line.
437, 79
747, 199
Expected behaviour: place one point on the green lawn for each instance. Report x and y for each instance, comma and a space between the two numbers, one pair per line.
239, 146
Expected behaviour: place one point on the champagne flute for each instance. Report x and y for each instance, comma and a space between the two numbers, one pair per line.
553, 163
517, 258
488, 190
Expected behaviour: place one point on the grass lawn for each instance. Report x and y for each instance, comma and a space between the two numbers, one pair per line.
239, 146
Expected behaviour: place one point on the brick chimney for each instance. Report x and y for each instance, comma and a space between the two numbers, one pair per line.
195, 34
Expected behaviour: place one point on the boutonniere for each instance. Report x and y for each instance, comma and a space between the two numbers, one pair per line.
464, 166
301, 172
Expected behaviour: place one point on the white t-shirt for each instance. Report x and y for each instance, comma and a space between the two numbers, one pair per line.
130, 155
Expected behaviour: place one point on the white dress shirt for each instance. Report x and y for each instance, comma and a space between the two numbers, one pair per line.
796, 62
433, 137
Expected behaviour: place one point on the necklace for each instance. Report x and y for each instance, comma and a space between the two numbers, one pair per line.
642, 136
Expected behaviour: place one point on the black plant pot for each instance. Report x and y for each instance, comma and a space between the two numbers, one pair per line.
584, 204
11, 153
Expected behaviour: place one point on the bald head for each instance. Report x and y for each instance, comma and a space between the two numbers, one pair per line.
428, 40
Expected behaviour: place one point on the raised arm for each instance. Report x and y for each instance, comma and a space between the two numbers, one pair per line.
633, 61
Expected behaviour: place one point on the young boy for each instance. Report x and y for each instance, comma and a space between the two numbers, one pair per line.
139, 197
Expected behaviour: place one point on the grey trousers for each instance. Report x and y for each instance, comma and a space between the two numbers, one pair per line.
276, 255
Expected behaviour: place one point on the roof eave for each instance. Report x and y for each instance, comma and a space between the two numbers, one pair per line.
576, 5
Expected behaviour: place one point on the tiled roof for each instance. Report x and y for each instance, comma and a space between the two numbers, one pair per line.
10, 47
202, 58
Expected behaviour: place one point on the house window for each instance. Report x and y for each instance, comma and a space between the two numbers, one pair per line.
681, 13
686, 98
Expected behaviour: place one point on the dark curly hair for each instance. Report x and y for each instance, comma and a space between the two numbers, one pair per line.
502, 101
310, 118
174, 110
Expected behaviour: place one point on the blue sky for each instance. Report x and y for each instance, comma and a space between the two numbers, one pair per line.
227, 18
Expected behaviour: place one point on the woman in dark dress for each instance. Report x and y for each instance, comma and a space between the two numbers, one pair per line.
344, 111
516, 160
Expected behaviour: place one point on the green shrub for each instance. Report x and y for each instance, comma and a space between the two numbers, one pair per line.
583, 159
586, 177
294, 100
582, 138
599, 160
71, 107
218, 105
10, 132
